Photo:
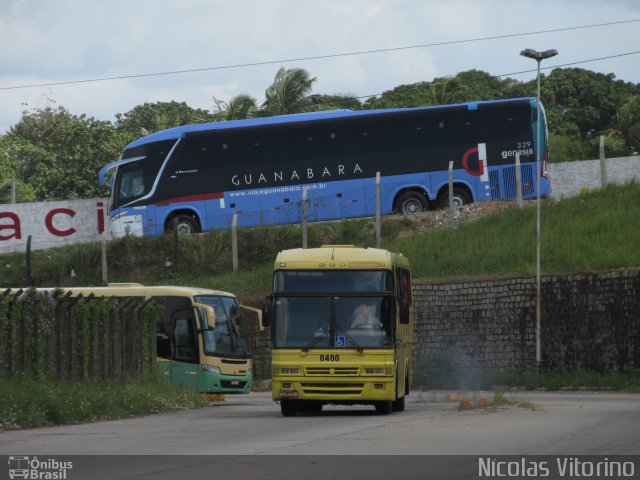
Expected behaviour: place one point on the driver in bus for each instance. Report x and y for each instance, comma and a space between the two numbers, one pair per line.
364, 316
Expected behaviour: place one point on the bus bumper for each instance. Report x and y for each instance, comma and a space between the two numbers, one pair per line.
218, 383
348, 391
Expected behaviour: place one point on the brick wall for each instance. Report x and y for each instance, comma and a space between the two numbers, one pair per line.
589, 321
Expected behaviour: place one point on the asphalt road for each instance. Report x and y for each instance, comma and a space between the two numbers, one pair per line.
559, 424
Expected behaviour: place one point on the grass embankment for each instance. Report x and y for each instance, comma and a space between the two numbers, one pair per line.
591, 232
27, 403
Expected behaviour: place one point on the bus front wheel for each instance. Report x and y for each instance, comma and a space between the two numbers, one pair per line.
288, 408
385, 407
412, 202
184, 224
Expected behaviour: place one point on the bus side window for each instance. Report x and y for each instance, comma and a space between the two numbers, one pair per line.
163, 342
184, 344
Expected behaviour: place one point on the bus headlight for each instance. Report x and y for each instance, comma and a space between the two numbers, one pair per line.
378, 371
212, 369
287, 370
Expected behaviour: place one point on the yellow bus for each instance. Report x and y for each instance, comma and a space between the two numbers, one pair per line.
201, 340
342, 328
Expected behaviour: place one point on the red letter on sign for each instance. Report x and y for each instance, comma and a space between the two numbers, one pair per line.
15, 227
48, 221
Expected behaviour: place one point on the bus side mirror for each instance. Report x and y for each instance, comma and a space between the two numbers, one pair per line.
250, 311
266, 312
207, 315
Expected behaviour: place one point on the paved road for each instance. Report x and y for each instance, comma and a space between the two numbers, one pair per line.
245, 426
561, 423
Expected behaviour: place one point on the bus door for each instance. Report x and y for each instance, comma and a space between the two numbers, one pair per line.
185, 365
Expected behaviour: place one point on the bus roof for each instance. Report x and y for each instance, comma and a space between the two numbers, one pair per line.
338, 257
135, 290
178, 132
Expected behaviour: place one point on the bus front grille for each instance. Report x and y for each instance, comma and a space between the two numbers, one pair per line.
324, 371
332, 388
228, 384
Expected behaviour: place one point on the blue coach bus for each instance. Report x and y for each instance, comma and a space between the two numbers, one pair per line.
198, 176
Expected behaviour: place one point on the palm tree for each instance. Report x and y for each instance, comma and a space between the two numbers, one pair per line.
447, 90
289, 93
239, 107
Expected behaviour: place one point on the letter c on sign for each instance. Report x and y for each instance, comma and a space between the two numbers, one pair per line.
48, 220
465, 159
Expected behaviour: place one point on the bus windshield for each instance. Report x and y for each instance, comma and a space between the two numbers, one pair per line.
228, 337
318, 281
346, 321
136, 179
130, 182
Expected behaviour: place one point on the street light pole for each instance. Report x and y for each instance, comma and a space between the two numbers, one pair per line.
538, 57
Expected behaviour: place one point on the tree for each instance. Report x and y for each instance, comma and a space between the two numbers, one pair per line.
447, 90
152, 117
290, 92
341, 101
403, 96
628, 122
239, 107
59, 154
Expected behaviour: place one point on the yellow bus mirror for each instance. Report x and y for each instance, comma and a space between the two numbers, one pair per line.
253, 312
207, 314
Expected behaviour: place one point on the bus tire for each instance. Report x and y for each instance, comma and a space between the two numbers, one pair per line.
186, 225
288, 408
412, 202
398, 405
461, 197
384, 407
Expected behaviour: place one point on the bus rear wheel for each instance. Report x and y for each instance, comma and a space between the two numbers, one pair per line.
412, 202
460, 197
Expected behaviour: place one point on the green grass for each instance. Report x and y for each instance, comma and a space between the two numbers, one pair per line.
591, 232
27, 403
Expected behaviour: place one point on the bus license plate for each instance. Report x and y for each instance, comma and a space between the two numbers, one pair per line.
235, 383
288, 394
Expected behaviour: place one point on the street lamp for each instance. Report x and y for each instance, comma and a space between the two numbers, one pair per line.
538, 57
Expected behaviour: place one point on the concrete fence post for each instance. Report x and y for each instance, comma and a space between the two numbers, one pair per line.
234, 241
518, 182
305, 193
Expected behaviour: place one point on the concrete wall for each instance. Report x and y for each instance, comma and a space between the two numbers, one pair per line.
51, 224
589, 321
568, 178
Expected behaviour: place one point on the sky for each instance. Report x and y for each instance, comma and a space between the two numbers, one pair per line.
240, 44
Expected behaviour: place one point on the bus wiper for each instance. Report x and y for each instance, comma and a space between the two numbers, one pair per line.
324, 333
340, 328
